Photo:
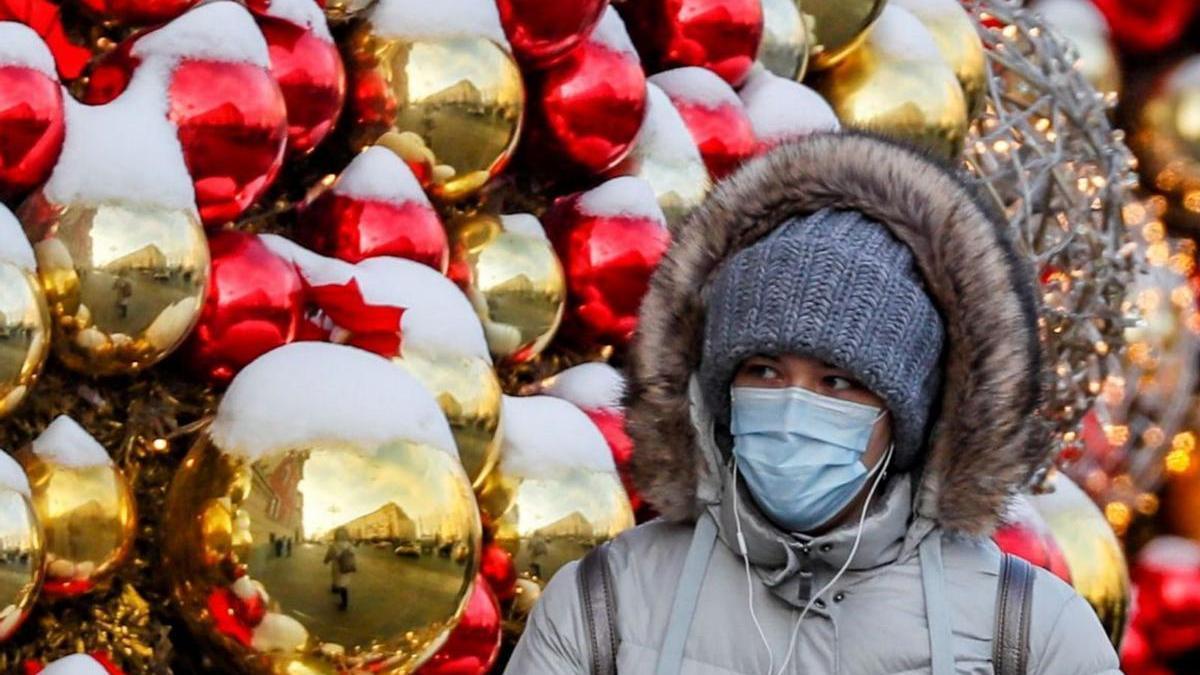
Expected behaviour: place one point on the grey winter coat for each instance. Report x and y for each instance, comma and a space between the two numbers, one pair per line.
926, 530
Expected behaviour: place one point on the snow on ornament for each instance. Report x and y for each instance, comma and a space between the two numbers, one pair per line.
542, 32
84, 504
780, 109
720, 35
79, 664
24, 570
323, 462
610, 240
589, 107
555, 494
375, 208
120, 250
306, 64
713, 114
31, 111
24, 317
437, 83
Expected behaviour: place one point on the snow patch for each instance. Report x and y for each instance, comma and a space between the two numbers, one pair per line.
12, 476
525, 224
544, 435
218, 31
1170, 551
625, 196
14, 245
303, 13
66, 443
378, 174
306, 392
75, 664
436, 19
899, 35
611, 33
780, 108
664, 136
316, 269
696, 85
591, 386
21, 46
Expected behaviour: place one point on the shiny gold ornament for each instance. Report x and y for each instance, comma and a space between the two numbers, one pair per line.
899, 87
784, 47
1097, 563
1166, 139
836, 27
468, 392
22, 565
455, 105
85, 506
341, 11
514, 280
24, 334
1085, 29
124, 282
956, 38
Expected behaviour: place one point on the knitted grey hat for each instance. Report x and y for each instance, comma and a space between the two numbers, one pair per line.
838, 287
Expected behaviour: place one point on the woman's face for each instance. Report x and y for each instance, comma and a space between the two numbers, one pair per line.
769, 372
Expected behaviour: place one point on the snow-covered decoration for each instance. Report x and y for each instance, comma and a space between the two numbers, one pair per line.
278, 633
525, 224
438, 19
21, 46
317, 270
544, 435
218, 31
700, 86
780, 109
611, 33
67, 444
12, 476
664, 137
308, 392
591, 386
306, 14
75, 664
899, 35
378, 174
622, 197
14, 245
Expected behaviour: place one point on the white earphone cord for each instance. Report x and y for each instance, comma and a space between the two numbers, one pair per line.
737, 519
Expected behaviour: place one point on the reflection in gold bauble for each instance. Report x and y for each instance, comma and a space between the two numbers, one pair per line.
340, 11
883, 87
261, 537
24, 334
956, 38
1166, 139
513, 279
124, 282
22, 564
784, 47
836, 27
1097, 563
458, 103
468, 392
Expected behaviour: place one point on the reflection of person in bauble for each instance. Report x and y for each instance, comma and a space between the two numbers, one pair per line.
342, 563
834, 390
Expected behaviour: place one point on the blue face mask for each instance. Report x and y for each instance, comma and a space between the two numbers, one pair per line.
800, 453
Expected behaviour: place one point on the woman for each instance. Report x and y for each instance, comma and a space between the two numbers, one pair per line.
834, 392
342, 563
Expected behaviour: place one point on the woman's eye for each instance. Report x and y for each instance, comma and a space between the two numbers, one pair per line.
762, 372
838, 383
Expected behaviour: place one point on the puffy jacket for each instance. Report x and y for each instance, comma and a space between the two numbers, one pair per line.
927, 530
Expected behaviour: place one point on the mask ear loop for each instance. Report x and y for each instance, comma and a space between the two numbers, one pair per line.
850, 558
741, 539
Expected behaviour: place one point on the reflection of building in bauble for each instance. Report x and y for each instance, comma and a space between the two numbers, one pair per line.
386, 523
574, 527
275, 499
148, 257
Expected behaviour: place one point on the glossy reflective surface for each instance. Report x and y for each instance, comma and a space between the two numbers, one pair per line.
515, 283
329, 558
723, 135
721, 35
138, 12
837, 27
959, 44
88, 516
541, 31
311, 76
124, 283
21, 560
784, 47
462, 98
24, 334
31, 129
468, 392
353, 229
475, 642
680, 184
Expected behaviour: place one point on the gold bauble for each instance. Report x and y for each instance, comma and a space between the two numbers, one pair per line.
454, 106
879, 88
272, 522
340, 11
1086, 29
24, 334
956, 38
468, 392
1094, 555
836, 27
514, 281
22, 565
1166, 139
784, 47
124, 282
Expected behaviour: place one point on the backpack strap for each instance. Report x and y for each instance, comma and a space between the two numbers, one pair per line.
599, 611
1014, 597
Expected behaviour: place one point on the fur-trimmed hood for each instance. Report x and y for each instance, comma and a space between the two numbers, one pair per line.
987, 439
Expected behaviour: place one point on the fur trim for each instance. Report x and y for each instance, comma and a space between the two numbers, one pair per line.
988, 438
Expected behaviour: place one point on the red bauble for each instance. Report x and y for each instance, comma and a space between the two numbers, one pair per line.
45, 18
609, 239
138, 12
1026, 535
1167, 574
474, 643
589, 106
720, 35
611, 423
1147, 25
496, 566
714, 116
255, 304
375, 209
311, 76
542, 32
31, 129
